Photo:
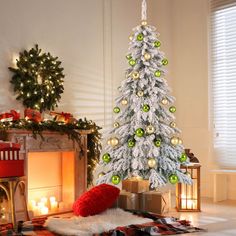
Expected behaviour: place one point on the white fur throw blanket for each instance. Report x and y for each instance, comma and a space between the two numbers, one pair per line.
87, 226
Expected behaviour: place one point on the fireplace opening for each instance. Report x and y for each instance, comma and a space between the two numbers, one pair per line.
51, 182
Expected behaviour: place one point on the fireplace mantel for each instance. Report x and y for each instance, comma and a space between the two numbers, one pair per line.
55, 142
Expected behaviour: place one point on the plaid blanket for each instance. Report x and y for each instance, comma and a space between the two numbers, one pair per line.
161, 225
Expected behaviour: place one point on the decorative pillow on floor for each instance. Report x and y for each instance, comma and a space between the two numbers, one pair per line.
96, 200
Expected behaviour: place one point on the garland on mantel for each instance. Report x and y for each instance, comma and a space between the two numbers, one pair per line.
70, 129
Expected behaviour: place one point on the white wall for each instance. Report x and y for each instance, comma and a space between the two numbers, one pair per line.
71, 30
190, 80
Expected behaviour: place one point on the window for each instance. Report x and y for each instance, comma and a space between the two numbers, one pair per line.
223, 75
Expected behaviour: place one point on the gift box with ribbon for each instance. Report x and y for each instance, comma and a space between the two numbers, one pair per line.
4, 145
34, 115
10, 163
135, 185
156, 202
11, 115
64, 117
127, 200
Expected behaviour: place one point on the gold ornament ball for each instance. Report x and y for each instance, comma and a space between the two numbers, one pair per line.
135, 75
131, 37
147, 56
180, 141
124, 102
173, 124
164, 101
152, 162
144, 22
101, 174
113, 141
116, 125
150, 129
140, 93
174, 140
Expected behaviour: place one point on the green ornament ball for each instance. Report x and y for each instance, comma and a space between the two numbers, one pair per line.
131, 143
157, 44
116, 109
128, 57
183, 157
157, 142
106, 157
115, 179
164, 62
172, 109
173, 179
146, 107
132, 62
140, 37
139, 132
157, 73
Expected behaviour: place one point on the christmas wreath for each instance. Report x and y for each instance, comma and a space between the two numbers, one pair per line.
38, 79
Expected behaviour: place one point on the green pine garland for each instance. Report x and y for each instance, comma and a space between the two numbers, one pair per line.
38, 79
71, 130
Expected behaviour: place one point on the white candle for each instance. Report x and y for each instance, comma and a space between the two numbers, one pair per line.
52, 199
41, 205
45, 200
44, 210
54, 205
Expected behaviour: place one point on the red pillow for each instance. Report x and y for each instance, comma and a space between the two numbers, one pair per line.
96, 200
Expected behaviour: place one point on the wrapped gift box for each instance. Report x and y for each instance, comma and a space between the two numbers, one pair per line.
62, 117
34, 115
10, 163
10, 115
156, 202
11, 168
135, 185
127, 200
4, 145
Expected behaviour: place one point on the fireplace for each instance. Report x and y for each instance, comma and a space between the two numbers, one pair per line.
54, 190
55, 170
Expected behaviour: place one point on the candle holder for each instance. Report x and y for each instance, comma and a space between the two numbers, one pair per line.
188, 196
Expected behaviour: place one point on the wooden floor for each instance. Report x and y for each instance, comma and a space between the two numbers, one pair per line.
218, 218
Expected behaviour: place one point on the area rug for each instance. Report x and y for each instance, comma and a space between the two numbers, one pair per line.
87, 226
159, 225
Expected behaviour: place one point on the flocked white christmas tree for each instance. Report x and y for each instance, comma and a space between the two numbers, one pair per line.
144, 141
